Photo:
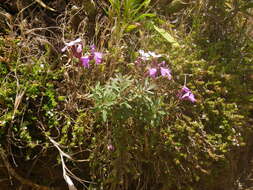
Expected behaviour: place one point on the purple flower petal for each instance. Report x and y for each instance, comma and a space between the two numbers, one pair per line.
98, 57
191, 98
165, 72
92, 49
85, 61
152, 72
186, 94
162, 64
185, 89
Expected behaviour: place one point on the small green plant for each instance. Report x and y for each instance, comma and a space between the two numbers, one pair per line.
123, 98
125, 15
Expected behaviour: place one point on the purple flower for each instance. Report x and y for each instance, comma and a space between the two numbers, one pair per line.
152, 72
186, 94
98, 57
92, 49
162, 64
185, 89
165, 72
159, 69
85, 61
77, 51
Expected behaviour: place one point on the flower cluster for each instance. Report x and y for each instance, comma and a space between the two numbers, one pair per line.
76, 48
160, 69
93, 55
186, 94
156, 69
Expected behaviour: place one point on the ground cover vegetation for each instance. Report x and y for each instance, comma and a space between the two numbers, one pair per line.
125, 94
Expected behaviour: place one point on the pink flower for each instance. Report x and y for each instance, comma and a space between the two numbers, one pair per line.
93, 55
76, 48
165, 72
85, 61
186, 94
92, 49
152, 72
159, 69
98, 57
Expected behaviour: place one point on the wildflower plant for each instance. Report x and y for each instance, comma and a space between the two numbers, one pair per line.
76, 48
186, 94
133, 126
155, 69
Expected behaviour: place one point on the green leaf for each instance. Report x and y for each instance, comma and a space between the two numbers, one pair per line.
131, 27
144, 5
104, 115
142, 16
61, 98
167, 36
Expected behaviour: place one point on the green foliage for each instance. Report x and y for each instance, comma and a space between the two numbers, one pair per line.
124, 99
28, 97
124, 15
133, 130
156, 137
129, 10
167, 36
